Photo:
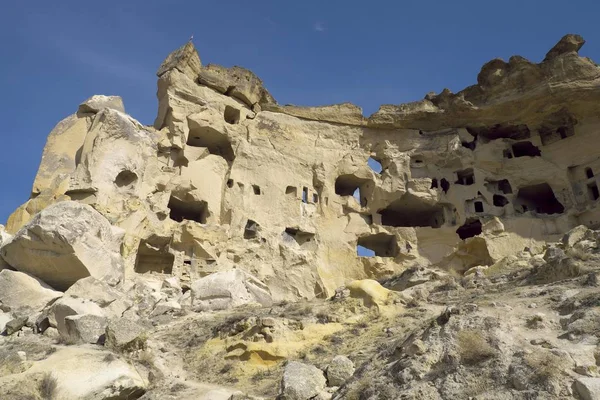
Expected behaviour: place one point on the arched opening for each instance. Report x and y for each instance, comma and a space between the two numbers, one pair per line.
445, 185
375, 165
231, 115
589, 173
125, 178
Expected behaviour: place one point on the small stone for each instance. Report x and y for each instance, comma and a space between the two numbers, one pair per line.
587, 388
15, 325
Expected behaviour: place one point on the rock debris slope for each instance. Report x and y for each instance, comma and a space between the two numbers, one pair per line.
213, 255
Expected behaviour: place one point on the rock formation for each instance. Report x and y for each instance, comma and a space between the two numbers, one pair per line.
231, 200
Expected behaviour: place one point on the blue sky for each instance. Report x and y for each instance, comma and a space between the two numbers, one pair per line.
58, 53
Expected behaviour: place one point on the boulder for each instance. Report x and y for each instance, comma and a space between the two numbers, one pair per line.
301, 381
339, 371
24, 294
98, 102
67, 306
83, 373
228, 289
86, 328
66, 242
587, 388
125, 334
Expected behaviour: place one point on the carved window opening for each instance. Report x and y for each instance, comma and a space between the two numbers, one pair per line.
465, 177
593, 192
589, 173
375, 165
478, 206
410, 211
256, 189
381, 244
251, 229
153, 256
231, 115
500, 201
187, 210
471, 227
523, 149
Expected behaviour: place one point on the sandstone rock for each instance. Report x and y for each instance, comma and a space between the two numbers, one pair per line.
339, 371
23, 294
237, 82
4, 319
568, 43
82, 373
575, 235
85, 328
370, 291
60, 156
15, 325
95, 290
165, 307
98, 102
125, 335
301, 381
185, 59
229, 289
587, 388
66, 242
70, 306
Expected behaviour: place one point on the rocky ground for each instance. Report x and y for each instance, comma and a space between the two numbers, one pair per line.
525, 328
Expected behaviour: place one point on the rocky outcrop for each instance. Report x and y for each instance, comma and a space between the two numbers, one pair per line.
228, 289
66, 242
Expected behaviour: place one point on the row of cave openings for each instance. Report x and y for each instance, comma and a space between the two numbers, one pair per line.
548, 134
410, 211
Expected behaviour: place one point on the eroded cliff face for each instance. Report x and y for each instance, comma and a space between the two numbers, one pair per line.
227, 178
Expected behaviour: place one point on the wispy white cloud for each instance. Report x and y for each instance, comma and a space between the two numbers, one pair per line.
319, 26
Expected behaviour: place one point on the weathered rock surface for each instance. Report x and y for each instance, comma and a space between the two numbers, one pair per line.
98, 102
125, 334
66, 242
84, 328
24, 294
339, 370
301, 381
229, 289
447, 245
